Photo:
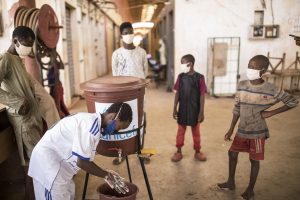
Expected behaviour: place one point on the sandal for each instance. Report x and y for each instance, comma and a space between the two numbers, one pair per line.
177, 157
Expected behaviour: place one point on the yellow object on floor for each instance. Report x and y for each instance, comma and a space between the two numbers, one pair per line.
150, 151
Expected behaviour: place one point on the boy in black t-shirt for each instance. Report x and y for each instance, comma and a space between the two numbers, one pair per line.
190, 92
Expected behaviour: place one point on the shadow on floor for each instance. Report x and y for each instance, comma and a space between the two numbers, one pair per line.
12, 178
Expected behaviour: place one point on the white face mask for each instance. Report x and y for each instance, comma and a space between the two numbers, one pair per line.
184, 68
23, 50
253, 74
128, 39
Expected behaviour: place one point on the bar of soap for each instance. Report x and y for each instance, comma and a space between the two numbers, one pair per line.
150, 151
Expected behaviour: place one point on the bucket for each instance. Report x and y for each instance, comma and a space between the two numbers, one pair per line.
106, 193
102, 92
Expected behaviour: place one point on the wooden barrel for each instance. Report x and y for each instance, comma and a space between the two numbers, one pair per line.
108, 90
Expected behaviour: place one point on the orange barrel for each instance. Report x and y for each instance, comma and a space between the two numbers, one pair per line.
102, 92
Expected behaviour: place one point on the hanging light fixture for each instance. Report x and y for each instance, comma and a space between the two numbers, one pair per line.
142, 27
148, 12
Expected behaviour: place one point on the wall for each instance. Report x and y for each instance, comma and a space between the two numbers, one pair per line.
89, 43
109, 42
166, 32
196, 21
5, 39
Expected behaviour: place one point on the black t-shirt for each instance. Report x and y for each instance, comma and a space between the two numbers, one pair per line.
189, 99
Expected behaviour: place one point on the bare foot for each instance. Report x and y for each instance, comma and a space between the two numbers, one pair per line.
248, 194
226, 186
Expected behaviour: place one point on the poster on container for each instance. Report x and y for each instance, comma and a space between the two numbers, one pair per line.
102, 107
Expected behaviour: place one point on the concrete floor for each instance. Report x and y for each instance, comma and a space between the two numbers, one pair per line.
279, 176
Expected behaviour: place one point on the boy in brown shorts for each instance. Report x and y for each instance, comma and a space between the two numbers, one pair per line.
253, 97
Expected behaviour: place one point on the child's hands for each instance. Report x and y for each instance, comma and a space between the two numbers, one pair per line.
228, 135
115, 181
175, 114
200, 118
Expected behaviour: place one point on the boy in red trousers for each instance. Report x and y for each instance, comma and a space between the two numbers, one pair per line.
190, 92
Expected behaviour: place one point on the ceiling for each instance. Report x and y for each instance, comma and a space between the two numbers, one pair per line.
136, 7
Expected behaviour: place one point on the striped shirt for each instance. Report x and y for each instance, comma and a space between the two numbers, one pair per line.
250, 101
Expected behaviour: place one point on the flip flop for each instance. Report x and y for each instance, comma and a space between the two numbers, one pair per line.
225, 188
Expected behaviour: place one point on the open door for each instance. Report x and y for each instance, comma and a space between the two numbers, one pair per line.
223, 65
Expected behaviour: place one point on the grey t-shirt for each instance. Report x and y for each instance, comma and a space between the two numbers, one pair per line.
251, 100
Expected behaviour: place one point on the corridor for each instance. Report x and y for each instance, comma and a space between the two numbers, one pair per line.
52, 52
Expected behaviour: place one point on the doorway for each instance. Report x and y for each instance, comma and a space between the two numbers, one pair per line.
70, 52
223, 65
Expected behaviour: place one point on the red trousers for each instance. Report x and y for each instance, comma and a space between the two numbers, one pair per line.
196, 136
57, 92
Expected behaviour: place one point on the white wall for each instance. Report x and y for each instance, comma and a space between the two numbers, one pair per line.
198, 20
8, 25
88, 41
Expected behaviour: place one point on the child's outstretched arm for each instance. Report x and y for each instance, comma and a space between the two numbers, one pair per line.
112, 178
175, 105
289, 103
91, 168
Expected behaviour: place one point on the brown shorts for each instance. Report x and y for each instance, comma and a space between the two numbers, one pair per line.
255, 147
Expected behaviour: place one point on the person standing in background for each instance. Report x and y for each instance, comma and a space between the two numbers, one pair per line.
189, 106
17, 93
129, 60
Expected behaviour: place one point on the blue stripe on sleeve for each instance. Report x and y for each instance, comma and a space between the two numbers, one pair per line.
48, 195
96, 131
93, 126
79, 156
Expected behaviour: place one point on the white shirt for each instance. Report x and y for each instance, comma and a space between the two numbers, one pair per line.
130, 62
72, 137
